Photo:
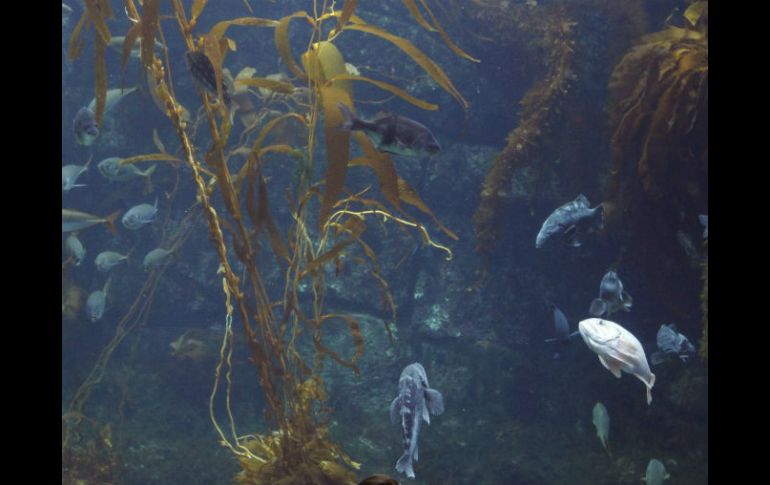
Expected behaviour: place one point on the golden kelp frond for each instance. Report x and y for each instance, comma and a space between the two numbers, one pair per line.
323, 62
282, 42
100, 77
150, 24
128, 44
337, 146
218, 31
271, 84
76, 43
436, 27
98, 12
158, 157
196, 10
430, 67
347, 12
388, 87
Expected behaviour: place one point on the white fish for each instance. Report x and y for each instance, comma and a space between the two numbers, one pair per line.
112, 169
96, 302
139, 215
70, 174
601, 420
618, 350
656, 473
106, 260
66, 11
155, 258
75, 248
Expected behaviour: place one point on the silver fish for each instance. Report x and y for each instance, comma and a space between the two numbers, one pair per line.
72, 220
70, 174
106, 260
412, 406
571, 221
671, 343
612, 296
75, 248
618, 350
656, 473
96, 302
112, 169
84, 127
114, 96
155, 258
66, 11
601, 420
139, 215
393, 133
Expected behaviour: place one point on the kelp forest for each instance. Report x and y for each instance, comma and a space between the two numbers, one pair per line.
300, 264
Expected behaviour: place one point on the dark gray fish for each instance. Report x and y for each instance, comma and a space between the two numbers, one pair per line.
561, 326
84, 127
612, 296
202, 71
393, 133
572, 221
412, 405
671, 343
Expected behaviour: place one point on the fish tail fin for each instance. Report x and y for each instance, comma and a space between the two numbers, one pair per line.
649, 388
348, 118
404, 464
148, 174
109, 221
435, 401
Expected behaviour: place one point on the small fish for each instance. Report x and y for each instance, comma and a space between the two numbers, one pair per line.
202, 71
601, 420
112, 169
70, 174
84, 127
656, 473
704, 221
571, 221
96, 302
415, 399
139, 215
155, 258
618, 350
106, 260
612, 296
72, 220
75, 248
393, 133
561, 326
670, 343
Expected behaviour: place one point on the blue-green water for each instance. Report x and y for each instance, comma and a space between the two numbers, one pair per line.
518, 409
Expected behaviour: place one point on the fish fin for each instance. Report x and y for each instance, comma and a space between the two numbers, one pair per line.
404, 464
78, 185
657, 358
574, 334
582, 199
425, 415
551, 340
598, 307
435, 401
649, 388
109, 221
394, 414
612, 366
628, 301
148, 173
416, 454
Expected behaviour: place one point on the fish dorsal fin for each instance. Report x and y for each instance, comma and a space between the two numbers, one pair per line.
582, 200
611, 365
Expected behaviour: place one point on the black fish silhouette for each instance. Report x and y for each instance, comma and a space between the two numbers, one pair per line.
202, 71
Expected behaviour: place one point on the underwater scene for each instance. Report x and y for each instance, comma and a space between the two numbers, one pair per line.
340, 242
